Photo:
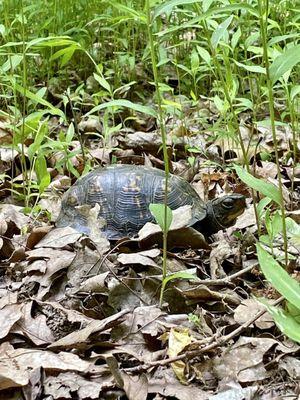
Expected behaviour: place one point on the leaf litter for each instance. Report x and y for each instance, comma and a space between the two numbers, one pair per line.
80, 316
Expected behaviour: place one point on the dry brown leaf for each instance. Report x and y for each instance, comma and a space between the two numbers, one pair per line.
248, 309
36, 329
80, 337
96, 284
59, 238
36, 235
50, 262
9, 315
143, 258
69, 385
11, 213
16, 364
204, 294
219, 254
135, 387
291, 365
245, 360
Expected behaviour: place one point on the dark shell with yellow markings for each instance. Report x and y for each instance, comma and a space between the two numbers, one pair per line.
124, 193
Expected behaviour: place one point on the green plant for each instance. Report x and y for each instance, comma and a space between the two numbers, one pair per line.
287, 319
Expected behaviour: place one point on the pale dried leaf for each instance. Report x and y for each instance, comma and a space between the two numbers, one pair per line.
135, 387
9, 315
59, 238
36, 329
248, 309
16, 364
137, 258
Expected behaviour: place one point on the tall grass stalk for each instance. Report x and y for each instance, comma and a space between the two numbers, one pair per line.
152, 45
263, 7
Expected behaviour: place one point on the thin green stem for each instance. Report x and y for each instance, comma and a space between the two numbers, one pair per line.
263, 6
163, 137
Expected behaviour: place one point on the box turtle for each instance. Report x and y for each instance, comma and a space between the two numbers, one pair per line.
124, 193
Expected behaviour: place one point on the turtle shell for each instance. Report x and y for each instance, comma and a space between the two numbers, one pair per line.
124, 193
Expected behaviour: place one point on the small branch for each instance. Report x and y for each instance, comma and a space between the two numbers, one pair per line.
216, 341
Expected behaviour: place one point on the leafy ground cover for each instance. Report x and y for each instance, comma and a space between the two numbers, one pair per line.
207, 90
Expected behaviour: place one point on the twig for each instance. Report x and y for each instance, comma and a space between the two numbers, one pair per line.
194, 353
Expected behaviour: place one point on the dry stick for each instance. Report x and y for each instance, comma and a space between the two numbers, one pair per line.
225, 279
113, 272
194, 353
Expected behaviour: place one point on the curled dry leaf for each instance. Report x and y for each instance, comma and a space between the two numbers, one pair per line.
143, 258
135, 387
96, 284
34, 328
50, 262
219, 254
36, 235
17, 364
291, 365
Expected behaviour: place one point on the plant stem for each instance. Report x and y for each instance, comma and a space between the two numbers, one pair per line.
163, 138
263, 7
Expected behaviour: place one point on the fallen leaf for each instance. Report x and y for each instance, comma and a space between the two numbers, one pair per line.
59, 238
143, 258
77, 338
16, 364
248, 309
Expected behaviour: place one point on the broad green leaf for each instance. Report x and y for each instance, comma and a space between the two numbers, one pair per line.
33, 96
2, 30
177, 275
293, 311
194, 61
42, 173
283, 63
39, 137
219, 33
295, 91
124, 103
12, 62
278, 277
129, 11
158, 212
285, 322
194, 23
277, 39
251, 68
204, 54
261, 186
235, 37
103, 82
51, 41
292, 227
261, 205
167, 6
70, 133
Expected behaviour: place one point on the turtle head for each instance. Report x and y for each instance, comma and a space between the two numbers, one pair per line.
223, 212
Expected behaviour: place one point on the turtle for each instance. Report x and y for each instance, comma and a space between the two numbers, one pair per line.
124, 192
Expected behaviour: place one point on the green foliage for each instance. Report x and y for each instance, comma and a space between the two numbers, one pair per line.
289, 288
177, 275
158, 212
265, 188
